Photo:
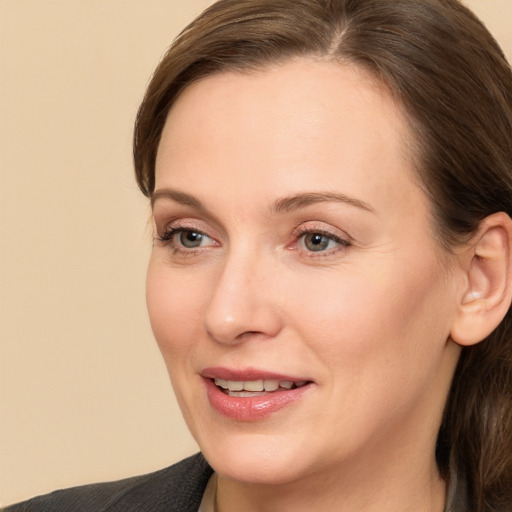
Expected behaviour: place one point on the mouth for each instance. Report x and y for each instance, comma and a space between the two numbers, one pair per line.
253, 388
252, 395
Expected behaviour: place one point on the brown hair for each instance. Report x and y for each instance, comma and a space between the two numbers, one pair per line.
455, 84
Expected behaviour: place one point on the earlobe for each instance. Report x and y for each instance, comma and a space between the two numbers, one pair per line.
488, 293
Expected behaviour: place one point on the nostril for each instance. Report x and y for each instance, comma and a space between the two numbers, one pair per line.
251, 334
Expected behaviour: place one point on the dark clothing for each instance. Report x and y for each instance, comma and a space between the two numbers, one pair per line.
178, 488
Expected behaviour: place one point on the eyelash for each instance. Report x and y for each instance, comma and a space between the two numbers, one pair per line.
302, 232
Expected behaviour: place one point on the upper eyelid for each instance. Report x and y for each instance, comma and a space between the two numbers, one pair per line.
324, 231
323, 228
345, 241
171, 230
206, 225
164, 224
177, 226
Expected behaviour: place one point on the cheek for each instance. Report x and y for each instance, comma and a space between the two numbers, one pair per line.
390, 313
174, 302
380, 340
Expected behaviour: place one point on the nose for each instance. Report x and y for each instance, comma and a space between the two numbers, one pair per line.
244, 301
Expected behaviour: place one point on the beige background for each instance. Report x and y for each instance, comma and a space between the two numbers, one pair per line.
84, 395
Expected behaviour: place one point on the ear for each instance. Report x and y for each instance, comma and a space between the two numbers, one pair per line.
488, 286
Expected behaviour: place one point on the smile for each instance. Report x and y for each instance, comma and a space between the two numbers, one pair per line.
252, 395
251, 388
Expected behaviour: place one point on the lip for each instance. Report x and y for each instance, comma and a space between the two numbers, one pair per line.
255, 408
248, 374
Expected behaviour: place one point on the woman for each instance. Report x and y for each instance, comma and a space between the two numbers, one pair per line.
331, 276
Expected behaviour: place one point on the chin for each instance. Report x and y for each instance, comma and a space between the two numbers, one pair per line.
256, 459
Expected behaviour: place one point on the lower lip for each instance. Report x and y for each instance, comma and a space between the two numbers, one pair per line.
251, 408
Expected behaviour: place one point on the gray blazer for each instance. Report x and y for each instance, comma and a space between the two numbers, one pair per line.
178, 488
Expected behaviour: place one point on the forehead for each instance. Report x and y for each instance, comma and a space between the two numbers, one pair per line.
301, 96
302, 125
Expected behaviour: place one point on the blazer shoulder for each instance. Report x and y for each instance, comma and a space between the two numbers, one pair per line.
179, 487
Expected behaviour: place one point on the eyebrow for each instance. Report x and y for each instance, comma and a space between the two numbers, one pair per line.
292, 203
176, 196
281, 205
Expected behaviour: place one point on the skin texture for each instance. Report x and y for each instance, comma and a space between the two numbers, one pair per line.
367, 321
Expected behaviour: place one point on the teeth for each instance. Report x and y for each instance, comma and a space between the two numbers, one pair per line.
221, 383
271, 385
233, 385
254, 385
257, 386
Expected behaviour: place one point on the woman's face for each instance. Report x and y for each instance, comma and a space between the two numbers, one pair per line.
295, 265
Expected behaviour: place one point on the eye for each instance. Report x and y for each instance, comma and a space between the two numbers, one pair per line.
317, 242
191, 239
182, 238
314, 240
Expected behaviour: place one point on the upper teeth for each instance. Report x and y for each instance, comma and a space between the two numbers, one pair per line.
257, 385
